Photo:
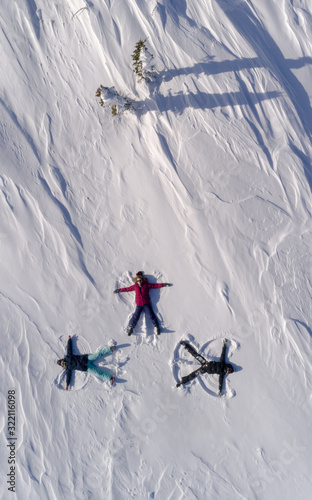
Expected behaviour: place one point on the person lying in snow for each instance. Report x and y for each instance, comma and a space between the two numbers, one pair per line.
142, 300
219, 367
84, 363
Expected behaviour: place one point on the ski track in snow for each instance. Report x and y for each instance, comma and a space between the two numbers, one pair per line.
206, 185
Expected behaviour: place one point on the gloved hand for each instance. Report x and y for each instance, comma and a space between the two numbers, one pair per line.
167, 284
117, 290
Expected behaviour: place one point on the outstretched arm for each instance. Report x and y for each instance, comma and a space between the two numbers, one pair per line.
193, 352
221, 379
69, 346
68, 377
222, 358
158, 285
127, 289
190, 377
69, 353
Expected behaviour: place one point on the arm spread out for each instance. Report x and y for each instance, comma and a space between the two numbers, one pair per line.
68, 377
156, 285
222, 357
69, 347
221, 378
127, 289
69, 353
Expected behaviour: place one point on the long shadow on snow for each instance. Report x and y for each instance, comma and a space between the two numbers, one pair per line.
201, 100
66, 215
23, 131
306, 162
251, 29
299, 324
217, 67
175, 9
33, 12
270, 56
73, 229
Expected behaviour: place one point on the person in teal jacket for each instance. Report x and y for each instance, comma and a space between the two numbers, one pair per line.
85, 363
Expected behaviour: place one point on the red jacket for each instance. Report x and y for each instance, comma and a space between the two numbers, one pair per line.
142, 293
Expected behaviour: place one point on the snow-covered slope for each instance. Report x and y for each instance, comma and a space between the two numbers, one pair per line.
207, 185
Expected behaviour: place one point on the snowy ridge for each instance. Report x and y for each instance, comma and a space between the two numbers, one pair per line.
205, 184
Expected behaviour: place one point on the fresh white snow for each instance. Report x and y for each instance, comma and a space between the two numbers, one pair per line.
205, 184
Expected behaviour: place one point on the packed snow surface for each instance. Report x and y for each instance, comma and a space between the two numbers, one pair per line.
206, 184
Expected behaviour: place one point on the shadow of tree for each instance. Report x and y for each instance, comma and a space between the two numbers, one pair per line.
214, 67
271, 57
177, 103
201, 100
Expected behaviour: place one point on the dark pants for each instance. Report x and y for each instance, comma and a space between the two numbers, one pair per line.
192, 375
137, 313
199, 358
194, 353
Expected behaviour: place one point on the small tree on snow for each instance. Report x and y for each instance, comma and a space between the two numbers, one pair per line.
143, 62
110, 98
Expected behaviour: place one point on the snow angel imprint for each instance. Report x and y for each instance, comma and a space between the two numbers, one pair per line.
141, 288
220, 368
85, 363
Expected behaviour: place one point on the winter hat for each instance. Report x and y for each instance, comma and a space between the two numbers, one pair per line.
139, 275
228, 367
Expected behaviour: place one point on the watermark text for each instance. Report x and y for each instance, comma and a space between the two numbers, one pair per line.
12, 438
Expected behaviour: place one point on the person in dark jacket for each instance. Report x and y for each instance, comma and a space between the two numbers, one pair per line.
84, 363
212, 367
141, 288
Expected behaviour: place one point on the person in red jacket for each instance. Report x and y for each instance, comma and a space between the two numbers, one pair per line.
141, 288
